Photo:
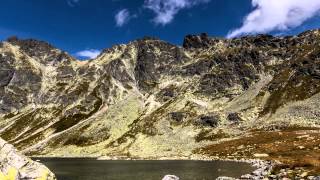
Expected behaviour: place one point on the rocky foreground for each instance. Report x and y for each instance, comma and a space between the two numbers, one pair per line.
15, 166
249, 97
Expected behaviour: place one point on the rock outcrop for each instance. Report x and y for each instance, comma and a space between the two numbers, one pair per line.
15, 166
149, 98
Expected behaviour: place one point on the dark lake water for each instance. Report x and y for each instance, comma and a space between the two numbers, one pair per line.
91, 169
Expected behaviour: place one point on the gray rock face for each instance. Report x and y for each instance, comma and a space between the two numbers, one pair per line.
202, 41
15, 166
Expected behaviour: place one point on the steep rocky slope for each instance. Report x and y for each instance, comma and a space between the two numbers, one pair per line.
149, 98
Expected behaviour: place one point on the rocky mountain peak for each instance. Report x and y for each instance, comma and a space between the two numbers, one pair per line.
199, 41
40, 50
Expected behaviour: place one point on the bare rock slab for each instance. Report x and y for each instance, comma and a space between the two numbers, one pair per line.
15, 166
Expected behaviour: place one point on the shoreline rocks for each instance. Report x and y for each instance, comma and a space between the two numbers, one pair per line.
15, 166
170, 177
264, 168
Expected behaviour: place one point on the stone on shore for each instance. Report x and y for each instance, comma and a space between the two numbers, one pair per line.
15, 166
170, 177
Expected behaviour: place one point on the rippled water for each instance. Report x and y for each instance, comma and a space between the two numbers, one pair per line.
91, 169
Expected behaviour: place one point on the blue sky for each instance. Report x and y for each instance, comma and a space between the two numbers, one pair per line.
85, 27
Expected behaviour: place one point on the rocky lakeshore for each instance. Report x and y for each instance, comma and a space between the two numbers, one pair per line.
15, 166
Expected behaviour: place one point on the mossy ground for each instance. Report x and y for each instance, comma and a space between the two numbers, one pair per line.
12, 174
294, 147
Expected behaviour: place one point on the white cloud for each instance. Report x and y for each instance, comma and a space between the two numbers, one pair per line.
277, 15
88, 54
122, 17
165, 10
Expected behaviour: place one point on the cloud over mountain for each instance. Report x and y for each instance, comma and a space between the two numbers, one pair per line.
277, 15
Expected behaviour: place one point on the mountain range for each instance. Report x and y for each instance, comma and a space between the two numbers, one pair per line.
152, 99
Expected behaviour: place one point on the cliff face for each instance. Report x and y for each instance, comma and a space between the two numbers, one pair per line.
151, 98
14, 165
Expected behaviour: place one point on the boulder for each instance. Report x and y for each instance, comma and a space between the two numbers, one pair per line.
177, 116
208, 120
234, 118
14, 166
170, 177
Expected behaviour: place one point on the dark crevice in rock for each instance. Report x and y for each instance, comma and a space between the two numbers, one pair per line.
70, 120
